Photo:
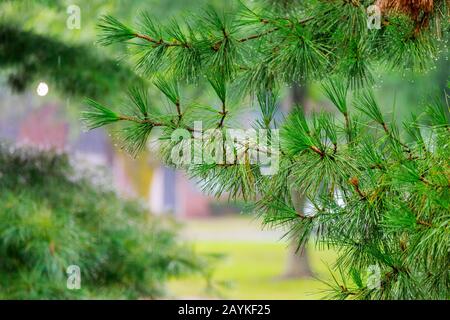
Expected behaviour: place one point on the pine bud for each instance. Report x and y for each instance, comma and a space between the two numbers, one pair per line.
354, 181
418, 10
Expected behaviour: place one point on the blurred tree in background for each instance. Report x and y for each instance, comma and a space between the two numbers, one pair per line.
37, 44
54, 215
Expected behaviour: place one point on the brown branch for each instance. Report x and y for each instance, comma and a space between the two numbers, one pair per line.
259, 35
302, 216
433, 185
355, 183
377, 166
424, 223
389, 133
318, 151
424, 180
178, 106
141, 121
217, 45
265, 21
223, 113
347, 127
157, 42
147, 38
385, 128
345, 290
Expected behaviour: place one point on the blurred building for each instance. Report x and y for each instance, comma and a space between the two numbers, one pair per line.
45, 127
171, 191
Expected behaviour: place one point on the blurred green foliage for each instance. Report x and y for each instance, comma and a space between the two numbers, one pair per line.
73, 69
52, 216
36, 44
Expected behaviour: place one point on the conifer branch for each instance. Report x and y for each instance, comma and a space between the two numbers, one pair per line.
141, 121
318, 151
317, 155
223, 114
259, 35
424, 223
157, 42
355, 183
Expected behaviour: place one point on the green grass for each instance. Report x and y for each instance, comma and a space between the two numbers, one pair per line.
252, 270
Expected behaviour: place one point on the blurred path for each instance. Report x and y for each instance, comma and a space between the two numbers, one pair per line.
229, 228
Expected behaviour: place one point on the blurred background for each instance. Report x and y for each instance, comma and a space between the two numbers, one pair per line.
47, 67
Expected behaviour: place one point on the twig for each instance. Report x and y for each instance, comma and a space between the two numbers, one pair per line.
318, 151
355, 183
158, 42
259, 35
142, 121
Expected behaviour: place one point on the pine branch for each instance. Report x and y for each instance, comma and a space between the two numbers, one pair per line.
140, 121
259, 35
326, 161
157, 42
355, 183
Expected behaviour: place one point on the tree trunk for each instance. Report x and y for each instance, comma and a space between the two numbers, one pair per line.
297, 262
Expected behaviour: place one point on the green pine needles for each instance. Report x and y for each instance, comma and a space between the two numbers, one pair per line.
304, 41
380, 192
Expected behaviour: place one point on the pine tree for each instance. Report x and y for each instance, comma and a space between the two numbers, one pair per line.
380, 191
